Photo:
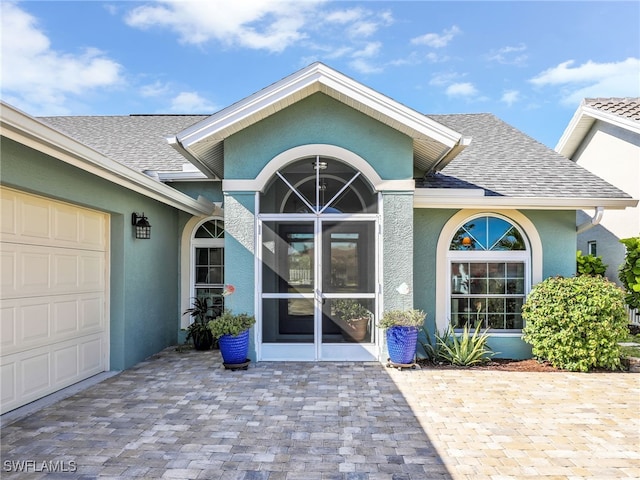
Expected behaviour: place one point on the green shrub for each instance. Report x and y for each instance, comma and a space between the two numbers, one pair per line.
630, 271
589, 264
402, 318
432, 347
576, 323
464, 349
230, 324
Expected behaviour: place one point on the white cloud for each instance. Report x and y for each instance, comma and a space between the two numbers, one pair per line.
365, 66
591, 79
359, 22
510, 97
444, 78
40, 79
435, 40
271, 25
464, 89
155, 89
509, 55
191, 102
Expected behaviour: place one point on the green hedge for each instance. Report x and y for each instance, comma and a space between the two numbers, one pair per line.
630, 271
576, 323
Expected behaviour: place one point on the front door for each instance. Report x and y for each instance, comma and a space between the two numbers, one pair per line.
319, 284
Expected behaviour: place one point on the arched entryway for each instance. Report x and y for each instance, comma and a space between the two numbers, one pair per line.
318, 263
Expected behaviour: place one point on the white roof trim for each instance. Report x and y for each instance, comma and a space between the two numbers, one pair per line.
319, 77
581, 122
423, 199
203, 143
24, 129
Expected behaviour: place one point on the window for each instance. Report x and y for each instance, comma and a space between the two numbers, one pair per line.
208, 264
488, 271
318, 185
592, 248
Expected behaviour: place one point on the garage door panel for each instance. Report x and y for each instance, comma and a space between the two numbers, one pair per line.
91, 354
34, 372
53, 293
7, 326
33, 327
91, 309
32, 270
91, 272
65, 224
8, 222
53, 319
35, 270
65, 317
36, 220
27, 376
65, 362
8, 393
92, 234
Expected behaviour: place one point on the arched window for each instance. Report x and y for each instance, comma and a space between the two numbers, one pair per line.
318, 185
489, 272
208, 263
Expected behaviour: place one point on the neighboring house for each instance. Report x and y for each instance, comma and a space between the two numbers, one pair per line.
604, 137
314, 189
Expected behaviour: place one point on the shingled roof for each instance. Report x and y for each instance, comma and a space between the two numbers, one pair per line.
503, 161
138, 141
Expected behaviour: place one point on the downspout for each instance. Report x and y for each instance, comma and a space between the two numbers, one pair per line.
595, 220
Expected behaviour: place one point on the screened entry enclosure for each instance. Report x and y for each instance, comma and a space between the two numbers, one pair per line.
318, 288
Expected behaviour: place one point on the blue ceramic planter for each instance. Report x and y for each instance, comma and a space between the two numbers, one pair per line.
234, 349
401, 343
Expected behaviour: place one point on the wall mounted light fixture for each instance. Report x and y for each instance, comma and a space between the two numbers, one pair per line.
143, 228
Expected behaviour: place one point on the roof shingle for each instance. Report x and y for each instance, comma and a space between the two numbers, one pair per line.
505, 162
623, 107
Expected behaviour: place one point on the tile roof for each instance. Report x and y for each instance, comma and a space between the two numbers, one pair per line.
505, 162
500, 159
137, 141
624, 107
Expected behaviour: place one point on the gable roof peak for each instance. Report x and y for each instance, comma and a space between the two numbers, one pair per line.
202, 143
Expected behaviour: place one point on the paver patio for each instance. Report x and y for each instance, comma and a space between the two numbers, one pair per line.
181, 415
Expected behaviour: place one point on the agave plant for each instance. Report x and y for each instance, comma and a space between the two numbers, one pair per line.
464, 349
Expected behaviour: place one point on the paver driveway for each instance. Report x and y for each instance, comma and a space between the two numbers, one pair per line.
180, 415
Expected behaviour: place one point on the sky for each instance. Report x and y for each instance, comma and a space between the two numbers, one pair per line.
529, 63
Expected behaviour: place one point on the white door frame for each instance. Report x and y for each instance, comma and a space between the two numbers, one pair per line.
317, 351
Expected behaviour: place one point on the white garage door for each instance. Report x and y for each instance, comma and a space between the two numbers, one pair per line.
53, 298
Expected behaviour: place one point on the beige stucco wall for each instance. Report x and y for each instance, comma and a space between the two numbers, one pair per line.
613, 154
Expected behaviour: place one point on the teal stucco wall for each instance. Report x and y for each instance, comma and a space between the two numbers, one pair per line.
319, 119
557, 234
143, 290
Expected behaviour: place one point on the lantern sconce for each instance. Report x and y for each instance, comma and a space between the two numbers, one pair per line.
143, 228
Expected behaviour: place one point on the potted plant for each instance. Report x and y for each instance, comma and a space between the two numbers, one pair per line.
232, 332
354, 319
197, 331
402, 334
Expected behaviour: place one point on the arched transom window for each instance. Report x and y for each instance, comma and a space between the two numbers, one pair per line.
489, 271
318, 185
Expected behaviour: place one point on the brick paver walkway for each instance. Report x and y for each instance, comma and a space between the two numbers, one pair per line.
180, 415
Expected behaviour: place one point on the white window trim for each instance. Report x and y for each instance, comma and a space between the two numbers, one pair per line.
443, 258
187, 251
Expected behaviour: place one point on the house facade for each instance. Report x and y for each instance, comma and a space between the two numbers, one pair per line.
310, 193
604, 137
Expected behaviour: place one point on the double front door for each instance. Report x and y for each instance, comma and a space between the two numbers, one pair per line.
319, 288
